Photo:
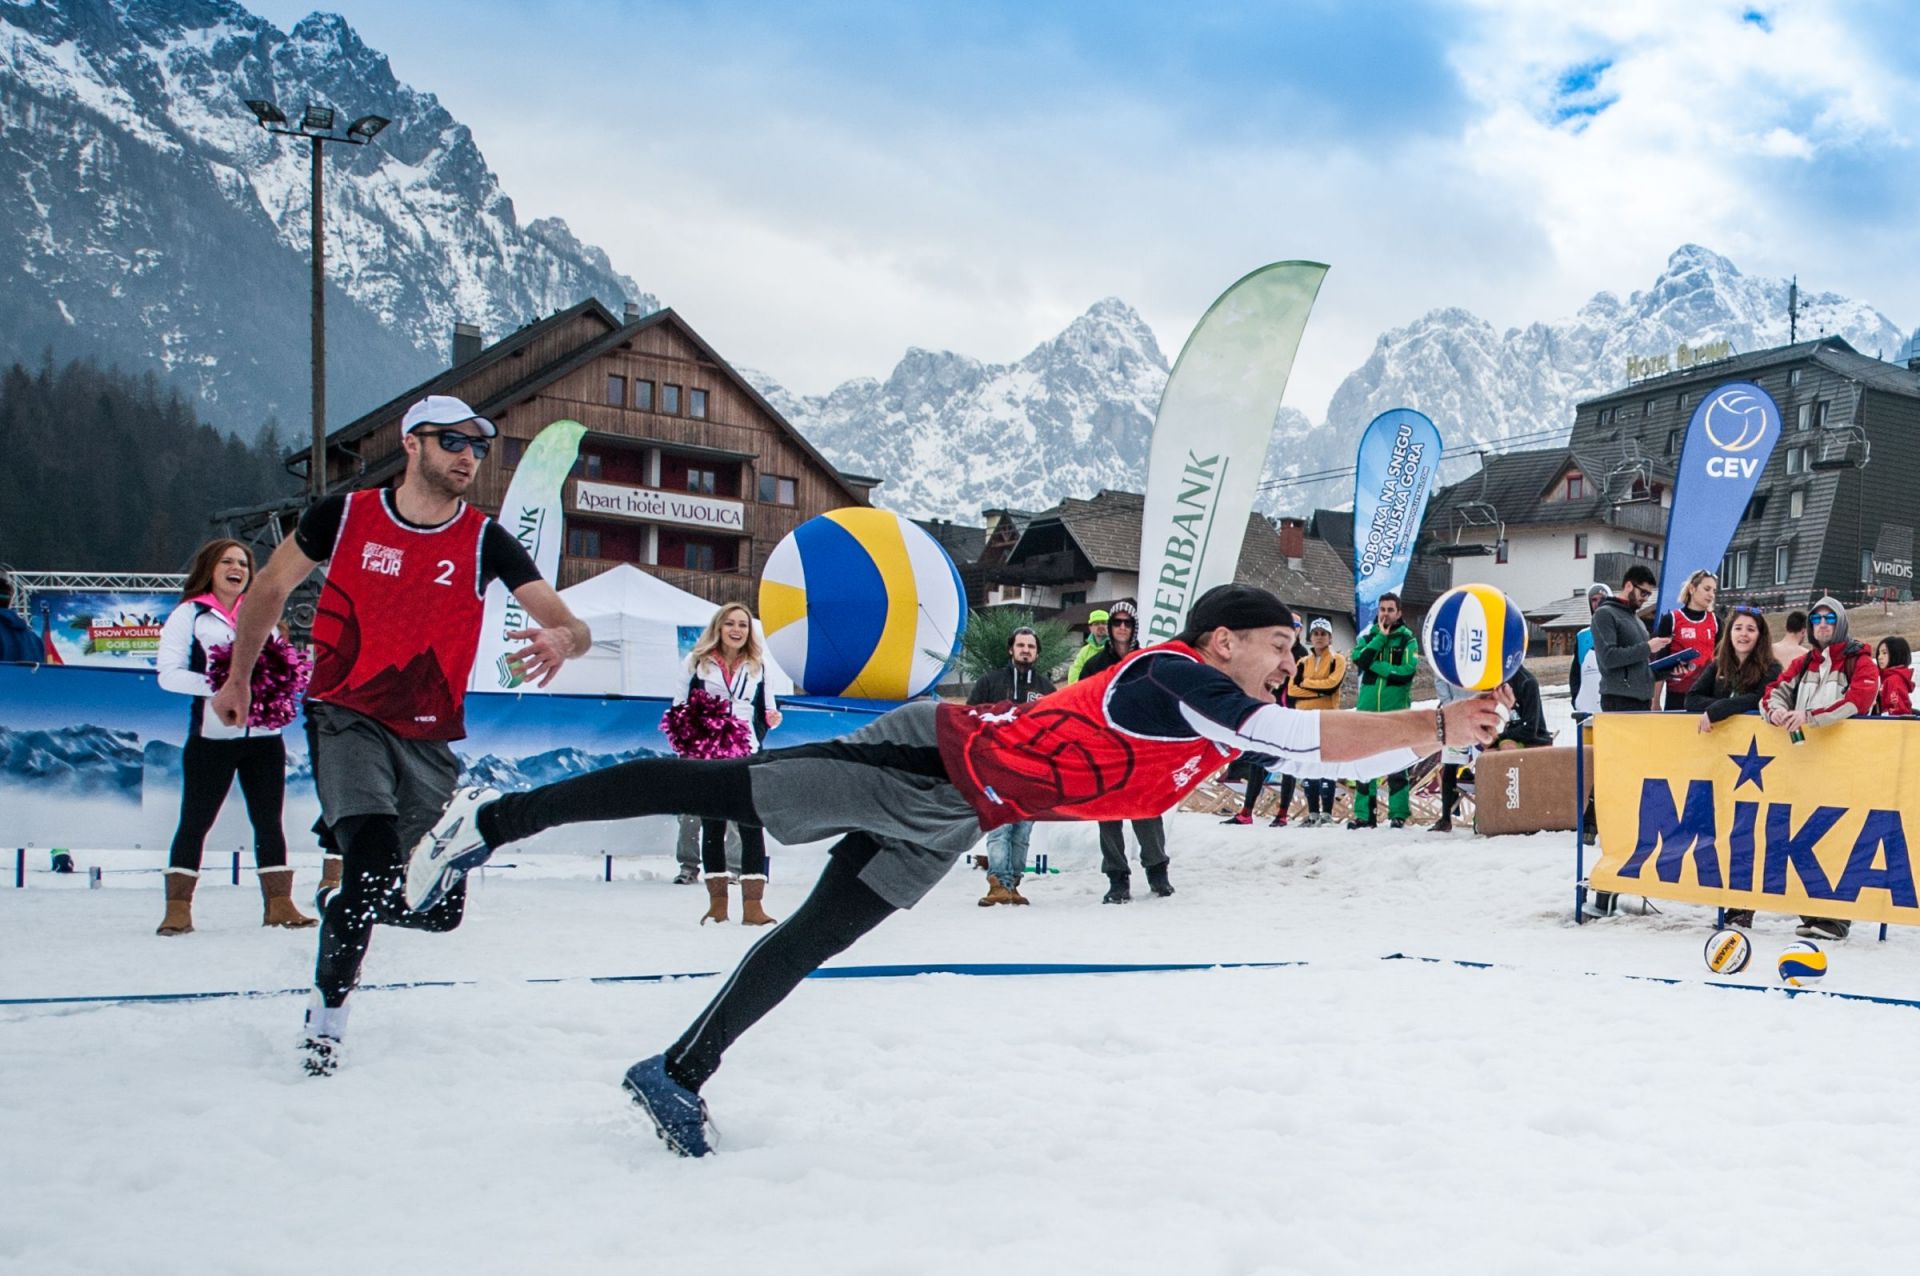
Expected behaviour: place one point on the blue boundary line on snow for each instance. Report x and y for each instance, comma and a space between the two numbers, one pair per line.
978, 969
970, 969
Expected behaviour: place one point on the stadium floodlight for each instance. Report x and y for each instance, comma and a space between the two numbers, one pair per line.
367, 127
318, 119
266, 112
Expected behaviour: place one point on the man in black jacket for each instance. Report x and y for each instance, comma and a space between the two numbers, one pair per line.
1015, 682
1527, 724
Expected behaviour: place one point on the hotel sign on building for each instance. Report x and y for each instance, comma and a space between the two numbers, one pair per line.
655, 506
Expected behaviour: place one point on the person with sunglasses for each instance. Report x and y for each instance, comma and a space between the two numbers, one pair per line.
1123, 639
1837, 679
1693, 627
394, 637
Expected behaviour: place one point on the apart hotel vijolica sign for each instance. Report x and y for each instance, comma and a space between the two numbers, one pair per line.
683, 508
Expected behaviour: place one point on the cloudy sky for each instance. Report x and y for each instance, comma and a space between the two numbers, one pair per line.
819, 186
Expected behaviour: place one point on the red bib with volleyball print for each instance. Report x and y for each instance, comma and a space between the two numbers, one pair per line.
1062, 758
1691, 635
398, 622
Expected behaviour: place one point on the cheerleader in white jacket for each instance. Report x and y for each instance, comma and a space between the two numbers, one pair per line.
728, 662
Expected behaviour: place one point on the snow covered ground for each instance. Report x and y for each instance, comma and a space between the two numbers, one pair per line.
1351, 1114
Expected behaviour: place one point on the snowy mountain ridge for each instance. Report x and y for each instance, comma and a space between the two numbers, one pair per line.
147, 219
952, 435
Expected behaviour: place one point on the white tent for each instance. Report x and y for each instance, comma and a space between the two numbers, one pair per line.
642, 628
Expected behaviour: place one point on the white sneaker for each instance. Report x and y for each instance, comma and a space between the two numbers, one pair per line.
320, 1042
449, 850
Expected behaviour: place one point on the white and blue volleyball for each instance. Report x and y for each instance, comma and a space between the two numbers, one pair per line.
1802, 965
861, 602
1728, 952
1475, 637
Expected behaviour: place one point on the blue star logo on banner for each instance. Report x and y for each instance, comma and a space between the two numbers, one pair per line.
1751, 764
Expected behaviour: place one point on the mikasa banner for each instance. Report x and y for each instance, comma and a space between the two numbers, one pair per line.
1210, 438
1742, 818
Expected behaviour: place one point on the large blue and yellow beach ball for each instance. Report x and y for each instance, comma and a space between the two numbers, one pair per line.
1475, 637
861, 602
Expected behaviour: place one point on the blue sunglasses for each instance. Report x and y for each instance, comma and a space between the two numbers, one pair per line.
1823, 618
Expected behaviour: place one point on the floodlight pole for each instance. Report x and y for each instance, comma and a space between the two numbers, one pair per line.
317, 467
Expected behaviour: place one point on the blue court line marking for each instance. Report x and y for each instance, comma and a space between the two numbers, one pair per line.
972, 969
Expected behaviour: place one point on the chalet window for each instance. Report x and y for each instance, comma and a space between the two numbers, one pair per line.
1803, 418
697, 404
699, 557
1793, 378
643, 395
775, 490
1579, 544
596, 465
1074, 598
1820, 414
1782, 563
1797, 502
1673, 442
1756, 507
616, 390
703, 481
583, 542
1735, 568
1606, 415
1651, 405
1684, 400
1500, 550
1866, 566
1796, 460
511, 450
670, 400
1576, 487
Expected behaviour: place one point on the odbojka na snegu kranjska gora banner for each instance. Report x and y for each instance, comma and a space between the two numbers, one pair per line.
1729, 439
1740, 817
1393, 476
533, 512
1210, 439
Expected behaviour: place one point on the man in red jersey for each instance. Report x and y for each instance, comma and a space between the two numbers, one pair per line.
394, 638
910, 793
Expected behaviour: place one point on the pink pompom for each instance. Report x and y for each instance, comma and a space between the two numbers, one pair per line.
704, 726
279, 680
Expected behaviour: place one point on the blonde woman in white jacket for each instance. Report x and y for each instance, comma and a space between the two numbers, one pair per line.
216, 753
727, 662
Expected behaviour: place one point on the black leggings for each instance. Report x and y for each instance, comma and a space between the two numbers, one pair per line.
370, 894
713, 848
208, 768
1320, 795
712, 790
839, 911
1257, 780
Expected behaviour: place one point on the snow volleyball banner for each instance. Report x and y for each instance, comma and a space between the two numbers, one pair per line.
1393, 476
91, 758
115, 627
1210, 438
532, 512
1742, 818
1728, 442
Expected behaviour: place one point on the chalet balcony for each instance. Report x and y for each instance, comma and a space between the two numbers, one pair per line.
716, 587
1647, 518
1058, 568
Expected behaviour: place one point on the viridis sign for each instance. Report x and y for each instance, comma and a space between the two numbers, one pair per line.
1740, 817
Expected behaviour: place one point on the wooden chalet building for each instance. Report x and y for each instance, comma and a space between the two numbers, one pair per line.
685, 471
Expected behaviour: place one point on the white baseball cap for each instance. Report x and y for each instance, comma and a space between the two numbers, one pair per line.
444, 409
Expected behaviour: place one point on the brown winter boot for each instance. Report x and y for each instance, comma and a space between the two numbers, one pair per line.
716, 898
1013, 893
997, 893
276, 897
179, 918
752, 890
330, 871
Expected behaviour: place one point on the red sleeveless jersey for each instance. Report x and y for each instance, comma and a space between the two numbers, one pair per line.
399, 619
1062, 757
1691, 635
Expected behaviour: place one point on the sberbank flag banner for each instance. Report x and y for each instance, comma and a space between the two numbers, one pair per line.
1741, 817
533, 513
1210, 438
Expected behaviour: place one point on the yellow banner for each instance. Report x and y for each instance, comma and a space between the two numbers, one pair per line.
1741, 817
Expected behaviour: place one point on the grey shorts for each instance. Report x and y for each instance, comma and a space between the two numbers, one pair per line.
361, 768
884, 780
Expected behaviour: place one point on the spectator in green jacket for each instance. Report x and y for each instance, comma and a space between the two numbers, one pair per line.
1387, 657
1096, 639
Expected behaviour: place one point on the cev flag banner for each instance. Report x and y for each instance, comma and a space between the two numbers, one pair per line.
1740, 817
533, 513
1393, 476
1728, 442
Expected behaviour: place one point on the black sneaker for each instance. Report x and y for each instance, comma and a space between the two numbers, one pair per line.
1157, 880
1824, 928
1396, 824
1119, 889
1361, 824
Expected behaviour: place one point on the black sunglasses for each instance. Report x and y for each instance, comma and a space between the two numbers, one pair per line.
1121, 620
453, 441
